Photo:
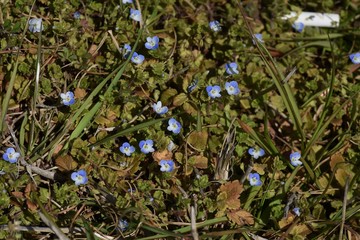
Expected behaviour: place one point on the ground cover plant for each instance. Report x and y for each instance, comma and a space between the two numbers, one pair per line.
181, 119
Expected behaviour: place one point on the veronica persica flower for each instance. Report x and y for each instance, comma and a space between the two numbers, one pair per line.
213, 91
35, 25
256, 153
298, 26
126, 50
259, 37
146, 146
135, 15
355, 58
231, 68
192, 86
232, 88
79, 177
166, 165
296, 211
254, 179
67, 98
159, 108
174, 126
123, 225
77, 15
137, 58
152, 43
11, 155
215, 26
127, 149
127, 1
295, 159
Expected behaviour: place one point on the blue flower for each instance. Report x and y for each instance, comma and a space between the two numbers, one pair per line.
126, 50
231, 68
298, 26
11, 155
171, 146
256, 153
35, 25
166, 165
297, 211
127, 1
213, 91
152, 43
159, 109
77, 15
127, 149
79, 177
232, 88
355, 58
174, 126
192, 86
67, 98
146, 146
295, 159
123, 225
137, 58
135, 15
259, 37
215, 26
254, 179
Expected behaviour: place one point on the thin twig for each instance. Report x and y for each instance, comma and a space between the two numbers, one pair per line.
344, 209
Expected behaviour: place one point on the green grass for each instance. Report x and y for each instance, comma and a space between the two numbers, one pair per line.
299, 92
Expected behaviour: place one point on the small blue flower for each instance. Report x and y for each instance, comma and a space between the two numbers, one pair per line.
192, 86
126, 50
231, 68
152, 43
166, 165
215, 26
11, 155
137, 58
171, 146
146, 146
135, 15
213, 91
35, 25
174, 126
254, 179
296, 211
298, 26
355, 58
67, 98
127, 1
295, 159
79, 177
77, 15
259, 37
159, 109
232, 88
123, 225
127, 149
256, 153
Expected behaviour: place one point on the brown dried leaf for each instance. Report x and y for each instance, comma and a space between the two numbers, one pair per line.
241, 217
31, 206
232, 190
79, 93
65, 163
201, 162
335, 160
162, 155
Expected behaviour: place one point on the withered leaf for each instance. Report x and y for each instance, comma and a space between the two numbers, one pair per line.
232, 190
162, 155
241, 217
65, 163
